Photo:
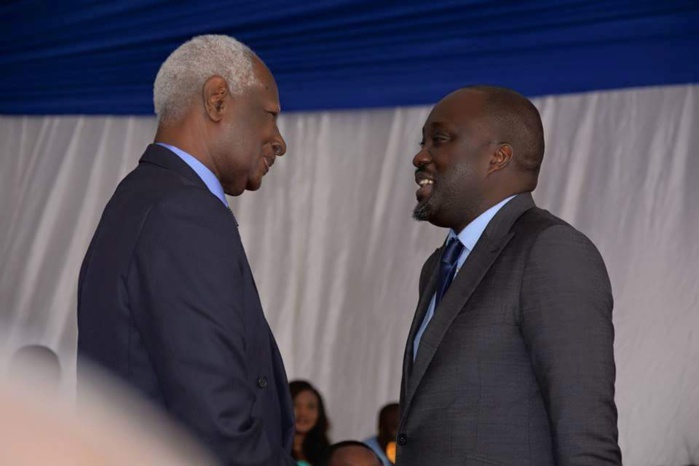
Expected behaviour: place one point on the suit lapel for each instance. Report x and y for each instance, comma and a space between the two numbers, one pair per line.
422, 306
494, 239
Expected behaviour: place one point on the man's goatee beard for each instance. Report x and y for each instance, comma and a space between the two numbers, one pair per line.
422, 212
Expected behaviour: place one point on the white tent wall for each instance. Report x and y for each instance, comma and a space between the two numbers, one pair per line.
337, 256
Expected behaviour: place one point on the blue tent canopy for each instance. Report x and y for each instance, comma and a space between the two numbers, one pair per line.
86, 57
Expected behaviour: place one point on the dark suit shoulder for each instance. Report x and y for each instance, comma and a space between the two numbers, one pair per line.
150, 181
159, 206
150, 185
536, 220
541, 226
195, 211
183, 198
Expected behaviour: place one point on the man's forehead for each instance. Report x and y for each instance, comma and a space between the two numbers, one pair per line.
457, 108
272, 95
266, 81
267, 95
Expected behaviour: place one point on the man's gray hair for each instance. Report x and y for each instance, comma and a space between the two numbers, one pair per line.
182, 75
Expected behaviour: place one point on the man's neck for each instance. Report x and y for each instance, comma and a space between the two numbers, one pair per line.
483, 207
185, 136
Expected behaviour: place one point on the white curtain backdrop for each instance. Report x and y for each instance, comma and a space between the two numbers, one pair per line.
336, 254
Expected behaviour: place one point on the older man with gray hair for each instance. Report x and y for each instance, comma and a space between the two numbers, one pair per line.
166, 300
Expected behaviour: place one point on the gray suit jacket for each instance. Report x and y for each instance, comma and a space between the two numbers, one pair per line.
517, 365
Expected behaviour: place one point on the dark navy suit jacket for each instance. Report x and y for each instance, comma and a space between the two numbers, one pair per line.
167, 302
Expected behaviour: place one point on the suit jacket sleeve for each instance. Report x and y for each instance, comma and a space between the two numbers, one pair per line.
188, 269
567, 326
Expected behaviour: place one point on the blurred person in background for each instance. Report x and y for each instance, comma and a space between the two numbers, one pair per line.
166, 297
37, 365
384, 444
311, 439
110, 428
351, 453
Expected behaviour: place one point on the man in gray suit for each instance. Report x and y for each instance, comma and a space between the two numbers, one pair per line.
510, 356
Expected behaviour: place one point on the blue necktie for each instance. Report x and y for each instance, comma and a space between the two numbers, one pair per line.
447, 267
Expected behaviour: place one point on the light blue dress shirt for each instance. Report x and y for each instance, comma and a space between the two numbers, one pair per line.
373, 443
469, 236
204, 173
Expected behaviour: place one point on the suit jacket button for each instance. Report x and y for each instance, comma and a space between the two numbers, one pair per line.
402, 439
262, 382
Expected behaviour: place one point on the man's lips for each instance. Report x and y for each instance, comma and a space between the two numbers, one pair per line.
268, 161
423, 178
426, 182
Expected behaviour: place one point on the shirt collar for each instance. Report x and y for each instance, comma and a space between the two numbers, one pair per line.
470, 235
204, 173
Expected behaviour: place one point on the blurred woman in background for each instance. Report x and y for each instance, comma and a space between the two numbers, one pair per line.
311, 440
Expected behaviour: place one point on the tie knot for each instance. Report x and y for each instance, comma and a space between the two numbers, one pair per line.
452, 251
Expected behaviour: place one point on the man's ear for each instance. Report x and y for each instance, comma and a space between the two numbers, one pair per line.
501, 158
216, 97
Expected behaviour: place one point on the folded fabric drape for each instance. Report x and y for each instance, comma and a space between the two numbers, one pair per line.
336, 254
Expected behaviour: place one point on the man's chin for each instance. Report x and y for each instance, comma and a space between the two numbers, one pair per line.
422, 212
233, 190
254, 185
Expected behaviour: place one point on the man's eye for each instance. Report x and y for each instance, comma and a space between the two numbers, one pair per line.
422, 143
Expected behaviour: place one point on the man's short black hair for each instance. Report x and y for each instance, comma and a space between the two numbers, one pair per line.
517, 122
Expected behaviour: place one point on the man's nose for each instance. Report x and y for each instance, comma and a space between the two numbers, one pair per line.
421, 158
279, 145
